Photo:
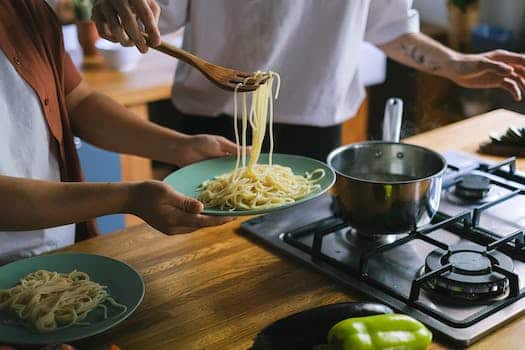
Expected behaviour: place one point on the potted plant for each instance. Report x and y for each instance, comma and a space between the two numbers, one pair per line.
86, 29
463, 16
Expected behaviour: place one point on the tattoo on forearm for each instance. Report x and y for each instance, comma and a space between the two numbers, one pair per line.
419, 57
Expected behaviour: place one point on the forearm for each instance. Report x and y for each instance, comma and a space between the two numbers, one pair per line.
105, 123
494, 69
34, 204
422, 53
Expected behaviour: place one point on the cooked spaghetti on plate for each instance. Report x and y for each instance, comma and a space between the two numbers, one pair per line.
250, 185
48, 301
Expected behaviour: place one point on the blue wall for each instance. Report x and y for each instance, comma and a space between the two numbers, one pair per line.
101, 166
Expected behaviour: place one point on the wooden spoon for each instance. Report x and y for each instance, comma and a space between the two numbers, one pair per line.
224, 78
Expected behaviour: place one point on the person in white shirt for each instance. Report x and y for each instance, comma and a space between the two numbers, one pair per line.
312, 44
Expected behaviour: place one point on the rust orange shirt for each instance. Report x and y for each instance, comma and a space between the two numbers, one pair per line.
31, 38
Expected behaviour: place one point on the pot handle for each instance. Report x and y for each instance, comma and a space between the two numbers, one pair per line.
392, 119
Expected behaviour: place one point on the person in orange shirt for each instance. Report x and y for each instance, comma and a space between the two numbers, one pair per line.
43, 103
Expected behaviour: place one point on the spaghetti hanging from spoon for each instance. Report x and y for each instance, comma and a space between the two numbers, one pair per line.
251, 185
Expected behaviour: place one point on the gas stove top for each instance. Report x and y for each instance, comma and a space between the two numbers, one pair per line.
462, 275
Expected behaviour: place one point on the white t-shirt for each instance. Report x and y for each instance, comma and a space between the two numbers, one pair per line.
312, 44
26, 151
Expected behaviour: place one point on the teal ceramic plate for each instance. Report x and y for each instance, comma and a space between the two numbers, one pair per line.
188, 179
124, 284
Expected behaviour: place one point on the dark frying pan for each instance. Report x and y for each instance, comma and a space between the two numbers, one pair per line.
308, 329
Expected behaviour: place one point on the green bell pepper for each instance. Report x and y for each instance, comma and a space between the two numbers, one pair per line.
389, 331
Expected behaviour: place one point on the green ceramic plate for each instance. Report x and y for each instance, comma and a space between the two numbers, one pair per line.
124, 284
188, 179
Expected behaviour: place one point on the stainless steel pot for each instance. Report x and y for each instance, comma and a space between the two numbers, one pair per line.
387, 187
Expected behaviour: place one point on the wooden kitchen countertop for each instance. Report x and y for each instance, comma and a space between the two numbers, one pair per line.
150, 81
216, 288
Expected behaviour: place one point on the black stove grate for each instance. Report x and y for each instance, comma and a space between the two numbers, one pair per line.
499, 169
465, 225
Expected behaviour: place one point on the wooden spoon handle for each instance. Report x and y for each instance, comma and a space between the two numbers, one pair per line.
181, 54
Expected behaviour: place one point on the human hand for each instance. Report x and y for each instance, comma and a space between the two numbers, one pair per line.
122, 21
495, 69
192, 149
167, 210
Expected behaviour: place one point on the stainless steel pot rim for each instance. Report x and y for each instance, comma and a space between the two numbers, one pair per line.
340, 149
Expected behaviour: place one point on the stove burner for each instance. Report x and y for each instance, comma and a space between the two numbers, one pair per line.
471, 277
365, 242
473, 186
494, 193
